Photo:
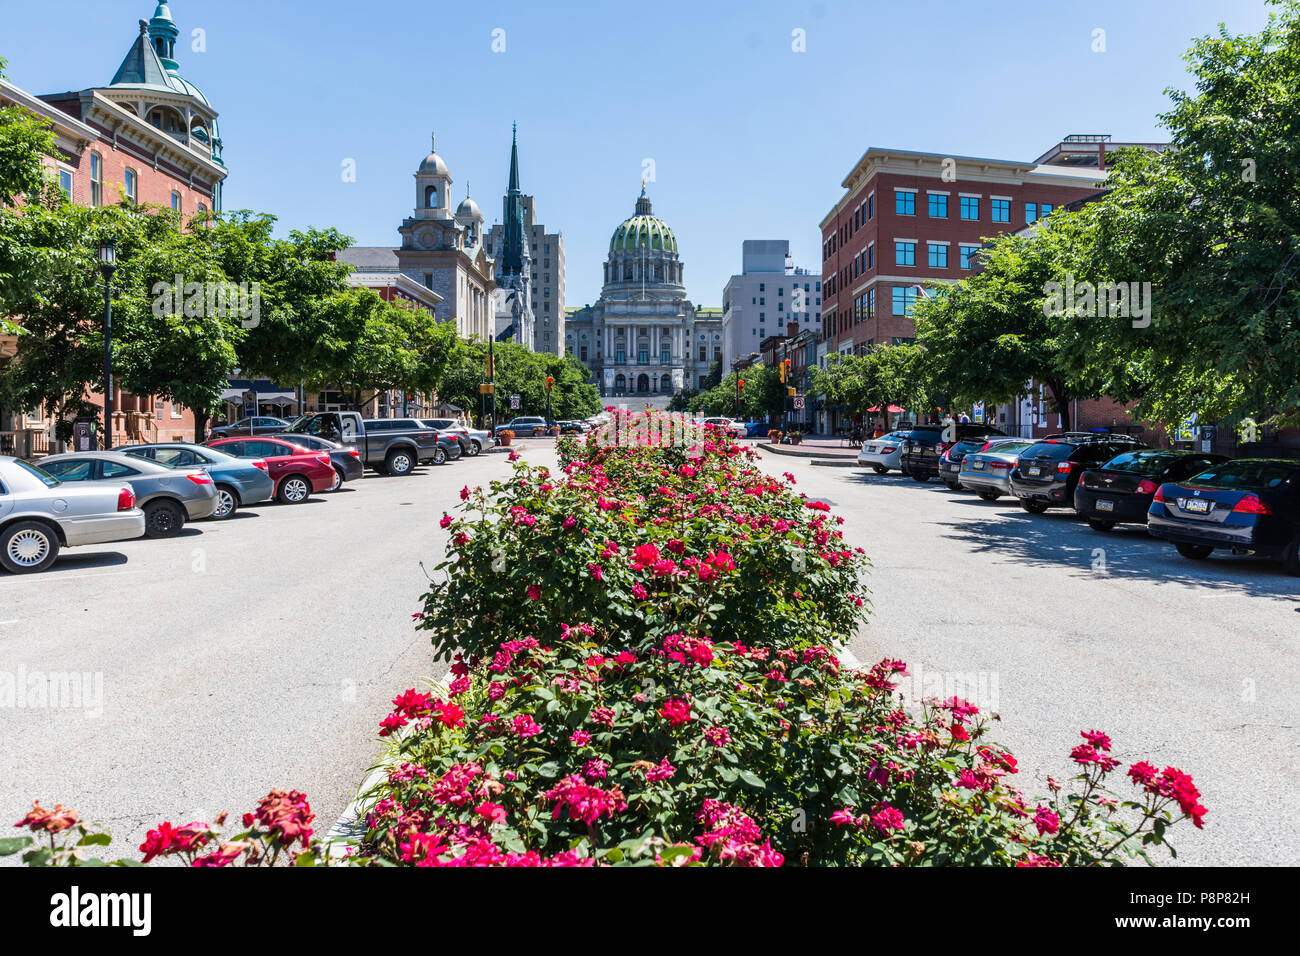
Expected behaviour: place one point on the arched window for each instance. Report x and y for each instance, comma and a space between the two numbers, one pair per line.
620, 383
430, 197
665, 384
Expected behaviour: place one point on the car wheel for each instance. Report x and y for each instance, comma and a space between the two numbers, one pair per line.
28, 546
337, 483
989, 494
1195, 552
1032, 506
294, 490
880, 469
227, 503
920, 476
163, 519
400, 462
440, 456
1291, 558
953, 486
1101, 524
474, 448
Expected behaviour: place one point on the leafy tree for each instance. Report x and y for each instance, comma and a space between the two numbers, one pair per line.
883, 376
990, 333
25, 141
1214, 225
762, 396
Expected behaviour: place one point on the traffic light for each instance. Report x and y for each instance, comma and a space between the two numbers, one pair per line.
550, 380
740, 384
491, 363
789, 391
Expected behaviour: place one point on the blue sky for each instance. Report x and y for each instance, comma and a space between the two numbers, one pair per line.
749, 139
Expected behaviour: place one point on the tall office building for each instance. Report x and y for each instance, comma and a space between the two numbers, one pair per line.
767, 295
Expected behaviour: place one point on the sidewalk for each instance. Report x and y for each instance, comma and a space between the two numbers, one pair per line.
823, 449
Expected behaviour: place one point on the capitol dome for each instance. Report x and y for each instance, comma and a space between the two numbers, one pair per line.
643, 229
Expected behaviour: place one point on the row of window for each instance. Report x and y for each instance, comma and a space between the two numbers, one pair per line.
902, 300
936, 254
130, 185
968, 207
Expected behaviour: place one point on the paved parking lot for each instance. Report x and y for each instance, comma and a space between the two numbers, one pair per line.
240, 656
1062, 629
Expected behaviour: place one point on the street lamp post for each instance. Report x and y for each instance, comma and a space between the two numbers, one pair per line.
107, 265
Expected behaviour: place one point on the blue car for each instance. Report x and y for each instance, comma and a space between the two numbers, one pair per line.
1246, 506
757, 429
239, 481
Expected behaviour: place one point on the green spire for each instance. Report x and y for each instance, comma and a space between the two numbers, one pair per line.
512, 251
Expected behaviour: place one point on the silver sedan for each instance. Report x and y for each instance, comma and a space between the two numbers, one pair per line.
39, 514
168, 496
987, 473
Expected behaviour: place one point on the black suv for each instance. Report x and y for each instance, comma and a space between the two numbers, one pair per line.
925, 443
1046, 474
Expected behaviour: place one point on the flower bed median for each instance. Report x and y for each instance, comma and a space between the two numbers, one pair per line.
645, 671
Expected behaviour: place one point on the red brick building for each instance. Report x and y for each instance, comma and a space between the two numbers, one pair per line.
910, 220
150, 137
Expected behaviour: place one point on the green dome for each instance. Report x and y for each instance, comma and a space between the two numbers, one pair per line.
651, 231
643, 228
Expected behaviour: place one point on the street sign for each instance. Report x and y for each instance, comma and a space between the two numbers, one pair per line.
250, 397
1187, 429
798, 401
514, 403
979, 413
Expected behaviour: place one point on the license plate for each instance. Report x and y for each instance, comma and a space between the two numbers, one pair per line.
977, 465
1033, 470
1104, 505
870, 448
1197, 506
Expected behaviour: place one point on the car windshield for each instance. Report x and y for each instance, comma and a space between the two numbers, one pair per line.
1008, 447
924, 434
1248, 475
45, 477
1141, 463
1057, 451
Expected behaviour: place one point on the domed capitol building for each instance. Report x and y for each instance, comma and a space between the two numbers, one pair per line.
643, 338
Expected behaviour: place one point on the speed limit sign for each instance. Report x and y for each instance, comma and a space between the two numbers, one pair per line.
798, 401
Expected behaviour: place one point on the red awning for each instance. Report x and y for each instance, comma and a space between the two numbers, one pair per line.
893, 409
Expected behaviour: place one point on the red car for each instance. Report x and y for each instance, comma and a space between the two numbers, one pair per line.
296, 471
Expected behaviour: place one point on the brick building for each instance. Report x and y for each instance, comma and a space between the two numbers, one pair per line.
149, 137
910, 220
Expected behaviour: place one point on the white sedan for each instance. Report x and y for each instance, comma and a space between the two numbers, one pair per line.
882, 453
732, 428
39, 514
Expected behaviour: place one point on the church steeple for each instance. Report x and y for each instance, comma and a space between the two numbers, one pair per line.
512, 250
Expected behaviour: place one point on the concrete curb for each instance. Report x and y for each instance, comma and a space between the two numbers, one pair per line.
836, 463
789, 450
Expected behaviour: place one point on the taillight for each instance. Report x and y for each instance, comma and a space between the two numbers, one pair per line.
200, 478
1000, 465
1083, 480
259, 463
125, 499
354, 453
323, 459
1065, 467
1160, 494
889, 449
1145, 487
1251, 505
938, 448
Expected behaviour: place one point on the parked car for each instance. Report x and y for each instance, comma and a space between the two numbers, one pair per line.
1122, 489
729, 426
296, 471
345, 459
882, 453
756, 429
1045, 474
238, 482
168, 496
925, 443
525, 426
572, 427
472, 440
391, 446
951, 458
40, 514
987, 472
259, 425
1248, 506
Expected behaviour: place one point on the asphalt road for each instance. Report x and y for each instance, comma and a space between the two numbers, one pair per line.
1061, 629
241, 656
262, 652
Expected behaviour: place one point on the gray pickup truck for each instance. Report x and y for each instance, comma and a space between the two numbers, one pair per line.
391, 446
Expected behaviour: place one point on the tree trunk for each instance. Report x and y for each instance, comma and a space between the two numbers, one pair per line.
1060, 402
201, 420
